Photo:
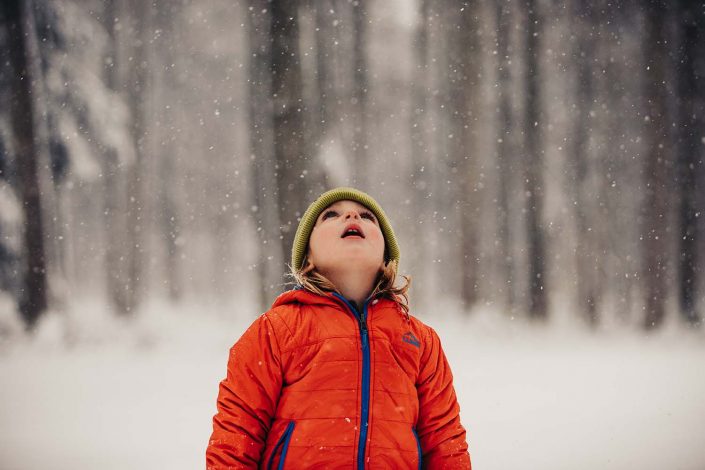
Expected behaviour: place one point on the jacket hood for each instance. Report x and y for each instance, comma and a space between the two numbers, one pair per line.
299, 295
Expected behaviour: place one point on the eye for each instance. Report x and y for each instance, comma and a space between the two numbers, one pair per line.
330, 213
368, 216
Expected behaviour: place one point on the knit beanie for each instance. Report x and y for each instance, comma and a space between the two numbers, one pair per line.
303, 232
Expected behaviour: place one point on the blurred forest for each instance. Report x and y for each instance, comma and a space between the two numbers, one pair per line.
534, 156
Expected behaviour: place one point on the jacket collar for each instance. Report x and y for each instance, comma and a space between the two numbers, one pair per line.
299, 295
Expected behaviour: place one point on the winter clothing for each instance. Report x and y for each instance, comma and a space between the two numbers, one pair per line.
303, 232
313, 383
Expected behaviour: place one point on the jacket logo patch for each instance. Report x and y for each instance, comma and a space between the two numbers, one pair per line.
411, 339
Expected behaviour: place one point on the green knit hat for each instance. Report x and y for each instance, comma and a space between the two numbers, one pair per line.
303, 232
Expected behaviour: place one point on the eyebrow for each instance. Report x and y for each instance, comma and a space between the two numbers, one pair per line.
335, 209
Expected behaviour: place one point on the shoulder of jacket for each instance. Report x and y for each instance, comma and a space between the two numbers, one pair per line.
284, 319
282, 312
427, 334
419, 324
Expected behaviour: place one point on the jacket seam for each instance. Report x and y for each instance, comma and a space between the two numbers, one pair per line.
309, 390
271, 313
381, 390
299, 346
397, 449
298, 419
276, 342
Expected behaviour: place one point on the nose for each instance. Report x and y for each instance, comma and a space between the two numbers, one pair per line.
352, 213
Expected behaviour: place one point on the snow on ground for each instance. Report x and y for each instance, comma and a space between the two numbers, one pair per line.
141, 395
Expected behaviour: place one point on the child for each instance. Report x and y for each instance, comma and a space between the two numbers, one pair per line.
337, 374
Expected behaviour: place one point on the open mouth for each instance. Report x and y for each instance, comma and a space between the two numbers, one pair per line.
352, 231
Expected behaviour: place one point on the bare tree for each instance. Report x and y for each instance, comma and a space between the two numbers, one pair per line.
327, 36
265, 192
463, 108
170, 72
689, 156
505, 152
33, 302
114, 177
534, 122
448, 121
137, 92
359, 99
581, 184
420, 142
291, 167
657, 159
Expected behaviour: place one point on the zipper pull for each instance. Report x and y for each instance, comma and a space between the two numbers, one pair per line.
363, 330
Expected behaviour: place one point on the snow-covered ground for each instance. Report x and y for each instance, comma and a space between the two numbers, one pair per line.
142, 395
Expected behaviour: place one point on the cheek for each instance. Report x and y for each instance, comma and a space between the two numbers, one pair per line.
319, 241
378, 239
314, 244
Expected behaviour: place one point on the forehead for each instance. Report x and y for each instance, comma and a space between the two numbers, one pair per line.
345, 204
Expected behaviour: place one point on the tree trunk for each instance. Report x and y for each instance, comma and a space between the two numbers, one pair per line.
43, 40
326, 35
658, 157
689, 158
361, 169
420, 141
114, 177
613, 167
136, 202
582, 183
537, 307
33, 300
443, 234
505, 152
464, 69
170, 103
288, 112
265, 193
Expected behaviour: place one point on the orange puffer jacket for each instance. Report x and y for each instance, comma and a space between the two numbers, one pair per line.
313, 383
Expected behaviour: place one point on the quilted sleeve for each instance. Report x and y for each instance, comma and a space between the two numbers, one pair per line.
247, 400
442, 437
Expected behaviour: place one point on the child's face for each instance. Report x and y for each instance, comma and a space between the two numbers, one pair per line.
330, 250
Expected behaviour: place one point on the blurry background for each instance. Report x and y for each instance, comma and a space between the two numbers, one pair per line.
541, 163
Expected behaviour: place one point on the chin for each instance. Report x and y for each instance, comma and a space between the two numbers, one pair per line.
368, 265
345, 262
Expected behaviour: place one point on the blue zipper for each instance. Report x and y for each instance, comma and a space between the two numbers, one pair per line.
283, 441
365, 411
418, 446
